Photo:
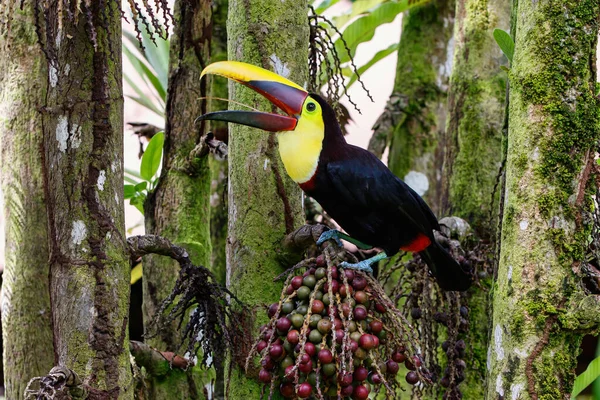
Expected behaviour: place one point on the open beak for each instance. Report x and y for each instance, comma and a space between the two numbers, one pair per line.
283, 93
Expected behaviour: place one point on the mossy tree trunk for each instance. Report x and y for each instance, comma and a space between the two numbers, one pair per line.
540, 309
82, 120
473, 155
419, 99
179, 209
476, 102
264, 204
27, 333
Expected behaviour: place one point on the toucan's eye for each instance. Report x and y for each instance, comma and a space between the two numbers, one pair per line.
311, 107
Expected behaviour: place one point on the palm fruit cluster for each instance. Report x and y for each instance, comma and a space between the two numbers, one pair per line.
334, 334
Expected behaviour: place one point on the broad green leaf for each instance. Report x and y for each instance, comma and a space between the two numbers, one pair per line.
505, 42
376, 58
138, 202
596, 384
362, 29
152, 156
141, 186
358, 8
128, 191
586, 377
157, 54
136, 273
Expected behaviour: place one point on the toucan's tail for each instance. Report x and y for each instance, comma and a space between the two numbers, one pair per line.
448, 273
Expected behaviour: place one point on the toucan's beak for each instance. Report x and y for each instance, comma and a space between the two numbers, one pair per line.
283, 93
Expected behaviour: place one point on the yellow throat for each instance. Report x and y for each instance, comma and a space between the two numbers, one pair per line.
300, 149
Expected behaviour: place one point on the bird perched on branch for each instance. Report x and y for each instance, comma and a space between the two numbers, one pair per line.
371, 204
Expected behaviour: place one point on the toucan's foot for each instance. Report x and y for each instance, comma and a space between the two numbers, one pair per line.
363, 265
331, 234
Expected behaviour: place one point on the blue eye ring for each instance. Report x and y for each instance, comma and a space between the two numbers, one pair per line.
310, 107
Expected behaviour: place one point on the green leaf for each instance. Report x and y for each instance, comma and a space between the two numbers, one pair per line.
138, 201
141, 186
136, 273
380, 55
128, 191
505, 42
148, 104
131, 180
152, 156
324, 5
362, 29
586, 377
145, 72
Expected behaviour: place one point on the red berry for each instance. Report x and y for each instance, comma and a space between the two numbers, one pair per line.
361, 392
337, 323
347, 391
376, 326
276, 351
335, 286
376, 379
345, 378
412, 377
361, 297
296, 282
264, 376
287, 390
321, 260
409, 365
345, 290
317, 307
304, 359
360, 374
310, 349
349, 275
334, 272
325, 356
267, 363
417, 362
261, 346
339, 336
304, 390
398, 357
379, 308
283, 324
273, 309
359, 282
293, 336
288, 373
306, 367
353, 346
366, 341
360, 313
289, 290
392, 367
376, 341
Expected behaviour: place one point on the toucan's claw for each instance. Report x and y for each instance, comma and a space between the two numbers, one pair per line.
330, 235
364, 265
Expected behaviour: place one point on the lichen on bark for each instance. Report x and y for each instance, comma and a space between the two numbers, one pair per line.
553, 131
264, 204
27, 334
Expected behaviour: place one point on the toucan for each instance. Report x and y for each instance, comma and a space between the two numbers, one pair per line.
373, 206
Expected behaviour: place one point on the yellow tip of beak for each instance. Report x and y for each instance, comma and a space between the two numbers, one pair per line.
244, 73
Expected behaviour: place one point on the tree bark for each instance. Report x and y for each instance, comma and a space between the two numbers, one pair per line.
473, 154
473, 148
83, 179
264, 204
420, 90
27, 333
540, 309
179, 209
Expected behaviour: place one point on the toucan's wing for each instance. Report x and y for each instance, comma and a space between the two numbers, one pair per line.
365, 182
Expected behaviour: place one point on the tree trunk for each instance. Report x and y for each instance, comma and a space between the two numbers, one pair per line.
421, 86
540, 309
264, 204
179, 209
27, 333
83, 178
473, 148
473, 154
